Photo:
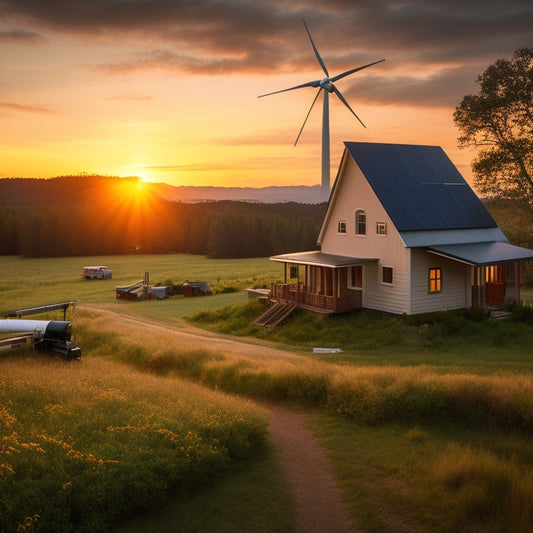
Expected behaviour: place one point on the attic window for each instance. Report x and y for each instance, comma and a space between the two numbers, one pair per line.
360, 222
434, 280
381, 228
341, 227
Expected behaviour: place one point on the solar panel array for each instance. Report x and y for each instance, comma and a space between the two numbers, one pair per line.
419, 187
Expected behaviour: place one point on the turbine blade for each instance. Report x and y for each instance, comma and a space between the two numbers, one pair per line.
315, 83
306, 117
342, 99
348, 72
316, 51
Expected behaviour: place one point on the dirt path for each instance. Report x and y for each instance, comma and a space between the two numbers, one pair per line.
303, 461
319, 502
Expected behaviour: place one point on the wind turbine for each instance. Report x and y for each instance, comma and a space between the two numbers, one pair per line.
327, 85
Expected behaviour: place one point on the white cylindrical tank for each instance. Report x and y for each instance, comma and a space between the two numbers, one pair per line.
24, 326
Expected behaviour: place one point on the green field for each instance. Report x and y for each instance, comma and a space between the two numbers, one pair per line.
429, 427
28, 282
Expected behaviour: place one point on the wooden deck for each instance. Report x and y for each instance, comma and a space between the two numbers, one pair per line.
304, 297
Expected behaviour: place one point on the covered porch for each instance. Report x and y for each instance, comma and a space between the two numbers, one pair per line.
496, 270
322, 282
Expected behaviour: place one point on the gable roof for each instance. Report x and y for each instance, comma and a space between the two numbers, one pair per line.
419, 187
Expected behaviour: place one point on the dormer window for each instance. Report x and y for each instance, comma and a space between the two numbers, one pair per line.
360, 222
341, 227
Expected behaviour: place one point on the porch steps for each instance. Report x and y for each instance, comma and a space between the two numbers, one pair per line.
275, 314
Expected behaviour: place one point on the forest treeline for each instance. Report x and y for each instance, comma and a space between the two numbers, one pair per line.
94, 215
100, 215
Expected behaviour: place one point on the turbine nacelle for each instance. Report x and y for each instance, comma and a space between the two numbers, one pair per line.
327, 85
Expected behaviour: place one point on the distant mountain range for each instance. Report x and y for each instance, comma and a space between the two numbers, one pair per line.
71, 190
300, 194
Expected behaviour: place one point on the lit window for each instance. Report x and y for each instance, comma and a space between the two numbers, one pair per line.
435, 279
360, 222
341, 226
381, 228
387, 275
356, 277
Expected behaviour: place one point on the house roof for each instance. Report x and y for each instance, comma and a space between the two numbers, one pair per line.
416, 239
317, 258
419, 187
483, 253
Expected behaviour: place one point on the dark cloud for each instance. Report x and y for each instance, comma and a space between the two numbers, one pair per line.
19, 108
445, 88
455, 39
20, 37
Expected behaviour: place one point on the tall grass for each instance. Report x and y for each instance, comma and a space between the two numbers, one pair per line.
372, 395
431, 478
392, 394
85, 445
493, 492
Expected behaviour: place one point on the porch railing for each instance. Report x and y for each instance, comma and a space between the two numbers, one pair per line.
302, 295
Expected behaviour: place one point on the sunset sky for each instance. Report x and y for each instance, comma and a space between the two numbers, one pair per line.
167, 89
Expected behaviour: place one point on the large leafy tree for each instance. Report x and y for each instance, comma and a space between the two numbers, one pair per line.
499, 121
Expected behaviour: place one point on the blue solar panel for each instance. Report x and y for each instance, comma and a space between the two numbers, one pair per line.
419, 187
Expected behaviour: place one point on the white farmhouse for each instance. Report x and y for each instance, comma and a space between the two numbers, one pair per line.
403, 233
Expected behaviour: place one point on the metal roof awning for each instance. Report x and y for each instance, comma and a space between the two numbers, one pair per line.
317, 258
483, 253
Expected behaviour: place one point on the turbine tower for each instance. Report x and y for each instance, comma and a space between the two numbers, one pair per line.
327, 85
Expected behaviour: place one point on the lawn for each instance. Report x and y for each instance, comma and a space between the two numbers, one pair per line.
30, 282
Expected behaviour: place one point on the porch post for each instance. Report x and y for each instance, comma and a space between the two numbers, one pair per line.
482, 288
517, 272
334, 292
298, 283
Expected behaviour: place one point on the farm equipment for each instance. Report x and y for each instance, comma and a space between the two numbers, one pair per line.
52, 336
141, 290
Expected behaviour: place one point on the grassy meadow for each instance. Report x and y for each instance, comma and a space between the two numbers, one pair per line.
428, 420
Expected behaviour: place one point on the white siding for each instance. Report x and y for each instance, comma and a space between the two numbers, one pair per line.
352, 193
455, 283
